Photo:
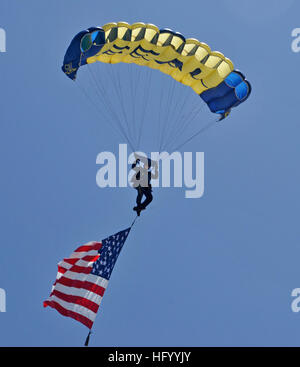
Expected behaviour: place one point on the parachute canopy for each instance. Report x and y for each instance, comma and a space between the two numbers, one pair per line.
191, 62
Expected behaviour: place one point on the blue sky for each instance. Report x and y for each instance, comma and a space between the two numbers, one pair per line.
214, 271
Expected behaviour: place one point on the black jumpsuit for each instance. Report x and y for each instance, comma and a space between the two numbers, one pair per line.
147, 191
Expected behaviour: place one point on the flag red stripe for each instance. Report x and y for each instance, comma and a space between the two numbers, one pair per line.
86, 248
76, 269
71, 261
81, 269
88, 258
81, 284
76, 300
84, 320
91, 258
61, 269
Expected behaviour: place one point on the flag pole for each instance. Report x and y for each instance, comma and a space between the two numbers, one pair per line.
86, 344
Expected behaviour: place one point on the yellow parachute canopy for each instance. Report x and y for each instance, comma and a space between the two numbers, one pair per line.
188, 61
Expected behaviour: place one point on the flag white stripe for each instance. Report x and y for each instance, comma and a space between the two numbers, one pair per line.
83, 254
81, 310
95, 279
82, 263
79, 292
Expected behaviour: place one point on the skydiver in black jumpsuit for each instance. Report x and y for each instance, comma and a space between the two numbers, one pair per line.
142, 181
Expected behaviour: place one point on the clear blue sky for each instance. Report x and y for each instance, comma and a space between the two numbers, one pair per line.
216, 271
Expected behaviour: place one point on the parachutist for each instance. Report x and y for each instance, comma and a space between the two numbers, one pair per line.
142, 180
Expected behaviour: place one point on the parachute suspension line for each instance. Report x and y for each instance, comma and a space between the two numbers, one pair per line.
115, 77
114, 82
135, 87
168, 105
160, 115
146, 99
163, 113
100, 90
129, 73
171, 116
202, 130
190, 118
95, 105
186, 124
134, 131
102, 96
192, 111
178, 114
170, 110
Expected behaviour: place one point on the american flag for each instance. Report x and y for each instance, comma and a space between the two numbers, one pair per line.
83, 278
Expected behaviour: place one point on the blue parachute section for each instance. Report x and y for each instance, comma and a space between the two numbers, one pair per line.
234, 90
76, 56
